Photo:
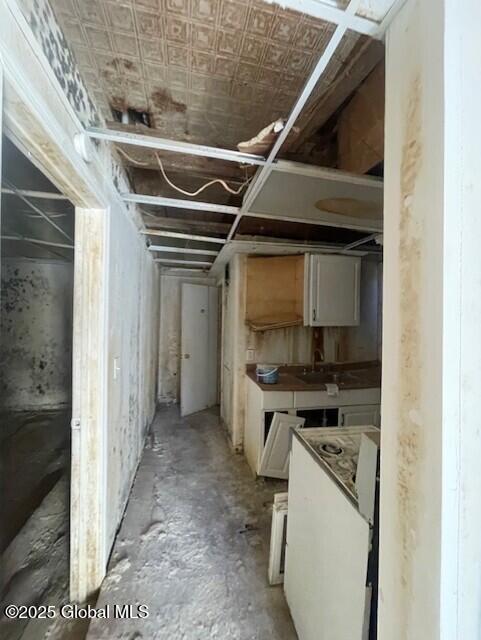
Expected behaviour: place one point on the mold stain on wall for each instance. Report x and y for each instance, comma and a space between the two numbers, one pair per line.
36, 349
410, 439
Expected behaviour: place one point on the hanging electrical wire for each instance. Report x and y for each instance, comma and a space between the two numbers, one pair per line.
192, 194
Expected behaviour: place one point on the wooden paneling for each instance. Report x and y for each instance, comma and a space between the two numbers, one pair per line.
274, 291
361, 126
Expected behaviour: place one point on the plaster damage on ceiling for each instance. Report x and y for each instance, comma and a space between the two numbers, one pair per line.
212, 72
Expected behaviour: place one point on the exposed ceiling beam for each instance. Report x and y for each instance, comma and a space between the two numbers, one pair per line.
35, 241
182, 236
160, 201
153, 142
329, 12
263, 174
169, 249
41, 213
192, 166
41, 195
172, 270
358, 243
195, 263
359, 65
185, 224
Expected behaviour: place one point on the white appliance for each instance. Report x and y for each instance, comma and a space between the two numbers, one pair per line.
329, 570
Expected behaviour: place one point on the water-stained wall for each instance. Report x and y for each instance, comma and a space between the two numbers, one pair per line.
36, 329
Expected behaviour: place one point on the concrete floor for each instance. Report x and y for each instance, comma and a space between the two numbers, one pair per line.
34, 520
34, 455
194, 542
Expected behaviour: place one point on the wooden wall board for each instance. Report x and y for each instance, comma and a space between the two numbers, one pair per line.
274, 291
361, 126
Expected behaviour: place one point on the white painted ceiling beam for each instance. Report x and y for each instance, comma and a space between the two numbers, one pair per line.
371, 19
264, 173
160, 201
164, 144
182, 236
34, 208
41, 195
45, 243
193, 263
169, 249
330, 12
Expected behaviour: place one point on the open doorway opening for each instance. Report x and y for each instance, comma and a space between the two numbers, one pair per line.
37, 272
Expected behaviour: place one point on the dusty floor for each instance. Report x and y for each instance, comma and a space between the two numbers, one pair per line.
194, 543
34, 565
34, 455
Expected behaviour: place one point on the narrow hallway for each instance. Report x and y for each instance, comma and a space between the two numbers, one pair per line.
194, 542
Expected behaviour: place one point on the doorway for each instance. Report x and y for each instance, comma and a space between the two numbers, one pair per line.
37, 276
199, 339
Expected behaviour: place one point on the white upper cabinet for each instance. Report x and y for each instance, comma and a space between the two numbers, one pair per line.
332, 290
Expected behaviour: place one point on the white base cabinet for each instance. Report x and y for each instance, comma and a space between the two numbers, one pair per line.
326, 555
350, 407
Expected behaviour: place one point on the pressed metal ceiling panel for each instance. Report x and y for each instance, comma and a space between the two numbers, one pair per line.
207, 71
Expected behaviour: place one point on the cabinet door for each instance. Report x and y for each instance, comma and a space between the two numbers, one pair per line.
275, 457
367, 414
334, 290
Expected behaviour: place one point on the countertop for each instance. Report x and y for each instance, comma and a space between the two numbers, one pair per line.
347, 375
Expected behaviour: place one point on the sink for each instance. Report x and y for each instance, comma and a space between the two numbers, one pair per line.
317, 377
323, 377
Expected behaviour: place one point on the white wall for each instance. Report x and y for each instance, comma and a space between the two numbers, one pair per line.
170, 333
133, 306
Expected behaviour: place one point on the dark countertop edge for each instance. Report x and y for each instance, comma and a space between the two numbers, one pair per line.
297, 385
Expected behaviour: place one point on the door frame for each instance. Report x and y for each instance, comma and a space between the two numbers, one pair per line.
38, 117
88, 498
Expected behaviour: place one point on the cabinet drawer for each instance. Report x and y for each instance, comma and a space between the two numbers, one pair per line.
278, 400
347, 397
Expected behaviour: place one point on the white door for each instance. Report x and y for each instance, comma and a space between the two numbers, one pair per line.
198, 369
359, 415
